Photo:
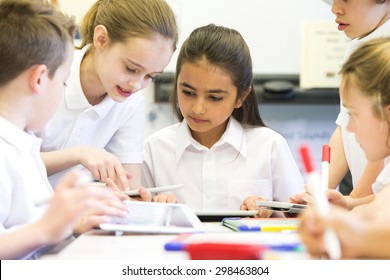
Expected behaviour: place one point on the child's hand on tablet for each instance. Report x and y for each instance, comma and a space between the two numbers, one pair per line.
165, 198
250, 204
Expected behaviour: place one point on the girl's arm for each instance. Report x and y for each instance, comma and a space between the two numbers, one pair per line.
99, 162
339, 167
338, 163
134, 171
370, 173
57, 161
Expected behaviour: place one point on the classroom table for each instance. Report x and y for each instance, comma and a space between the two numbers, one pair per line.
98, 244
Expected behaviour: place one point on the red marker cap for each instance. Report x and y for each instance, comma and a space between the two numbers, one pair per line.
307, 158
326, 153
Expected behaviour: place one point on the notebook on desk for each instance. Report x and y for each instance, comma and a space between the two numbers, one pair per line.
261, 224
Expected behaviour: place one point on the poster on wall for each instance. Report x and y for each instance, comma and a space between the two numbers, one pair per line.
323, 48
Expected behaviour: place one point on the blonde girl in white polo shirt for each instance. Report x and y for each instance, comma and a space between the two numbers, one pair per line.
221, 150
99, 123
361, 21
365, 90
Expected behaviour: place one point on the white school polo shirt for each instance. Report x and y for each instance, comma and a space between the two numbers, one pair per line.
244, 162
383, 178
354, 154
116, 127
23, 179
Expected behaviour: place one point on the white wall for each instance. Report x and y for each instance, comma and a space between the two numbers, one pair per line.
272, 29
76, 8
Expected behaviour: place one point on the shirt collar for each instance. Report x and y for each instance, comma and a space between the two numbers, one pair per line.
384, 175
382, 31
21, 140
74, 95
233, 136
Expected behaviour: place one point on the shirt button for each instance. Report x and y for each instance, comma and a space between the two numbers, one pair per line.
79, 132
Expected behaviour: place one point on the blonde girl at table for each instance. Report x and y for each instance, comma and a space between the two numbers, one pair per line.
100, 121
365, 91
361, 21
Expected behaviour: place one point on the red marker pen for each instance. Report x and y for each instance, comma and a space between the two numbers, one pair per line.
325, 167
320, 201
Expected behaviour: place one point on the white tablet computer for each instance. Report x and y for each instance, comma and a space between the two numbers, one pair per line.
153, 217
218, 215
155, 190
282, 206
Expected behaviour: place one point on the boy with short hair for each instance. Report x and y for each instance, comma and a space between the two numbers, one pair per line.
36, 52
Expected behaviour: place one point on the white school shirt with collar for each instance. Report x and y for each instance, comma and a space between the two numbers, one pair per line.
116, 127
23, 179
244, 162
354, 154
383, 178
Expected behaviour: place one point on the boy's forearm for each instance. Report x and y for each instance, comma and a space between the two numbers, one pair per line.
18, 243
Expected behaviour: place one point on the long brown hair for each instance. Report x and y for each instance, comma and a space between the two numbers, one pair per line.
224, 48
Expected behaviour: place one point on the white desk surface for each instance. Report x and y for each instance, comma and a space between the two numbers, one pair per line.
98, 245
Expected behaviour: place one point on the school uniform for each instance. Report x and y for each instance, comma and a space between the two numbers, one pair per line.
116, 127
383, 178
244, 162
354, 154
23, 178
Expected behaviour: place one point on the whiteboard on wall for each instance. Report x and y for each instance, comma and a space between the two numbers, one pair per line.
272, 29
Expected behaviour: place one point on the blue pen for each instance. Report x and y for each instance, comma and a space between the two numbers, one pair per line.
178, 244
249, 228
294, 247
174, 246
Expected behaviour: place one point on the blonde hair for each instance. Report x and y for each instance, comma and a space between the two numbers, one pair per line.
55, 4
124, 19
369, 69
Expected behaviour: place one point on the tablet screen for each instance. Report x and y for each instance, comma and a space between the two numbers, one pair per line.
152, 217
